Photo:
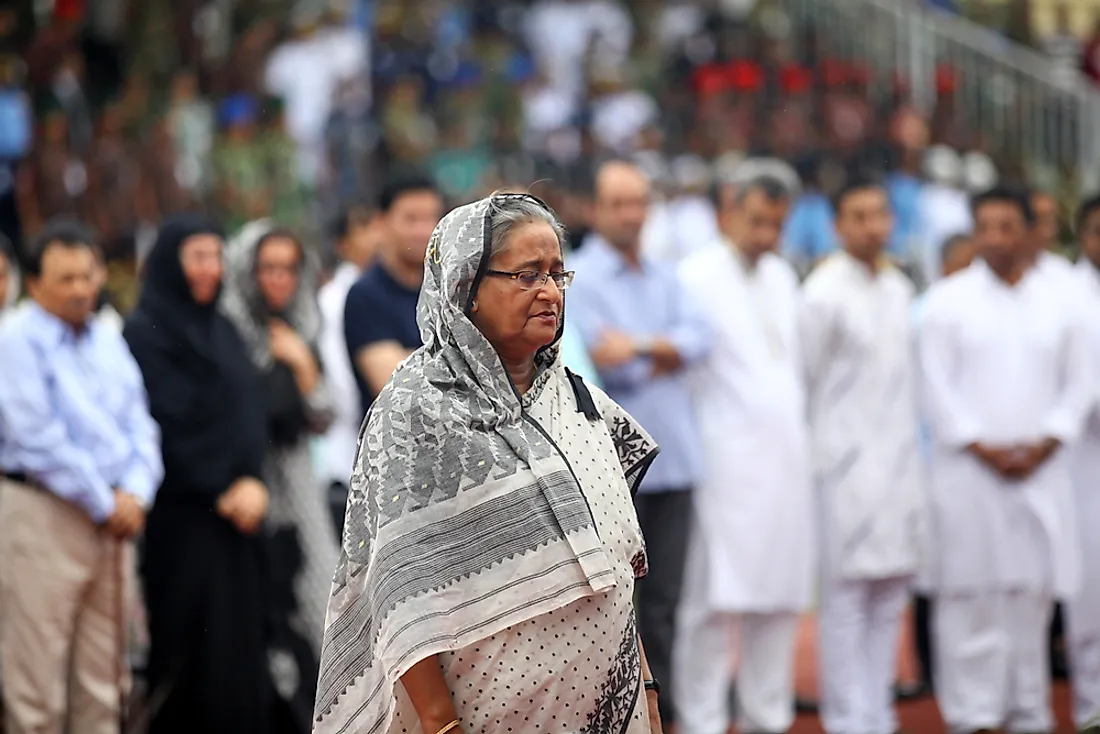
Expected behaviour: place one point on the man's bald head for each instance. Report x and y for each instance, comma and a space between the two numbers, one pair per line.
621, 205
617, 175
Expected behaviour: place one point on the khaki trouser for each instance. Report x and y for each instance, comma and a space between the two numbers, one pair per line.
62, 589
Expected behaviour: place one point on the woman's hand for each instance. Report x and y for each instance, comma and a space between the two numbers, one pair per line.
244, 504
652, 707
430, 696
285, 344
289, 348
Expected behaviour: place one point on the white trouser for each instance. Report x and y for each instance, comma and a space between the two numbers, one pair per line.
992, 668
1083, 640
703, 671
858, 625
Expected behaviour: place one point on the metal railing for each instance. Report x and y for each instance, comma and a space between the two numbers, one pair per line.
1022, 110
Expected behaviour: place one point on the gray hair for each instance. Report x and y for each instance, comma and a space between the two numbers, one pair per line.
507, 211
773, 188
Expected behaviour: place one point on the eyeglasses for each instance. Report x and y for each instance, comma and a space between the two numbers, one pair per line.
277, 269
533, 279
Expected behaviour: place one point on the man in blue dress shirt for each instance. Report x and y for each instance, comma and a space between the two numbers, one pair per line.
80, 463
642, 331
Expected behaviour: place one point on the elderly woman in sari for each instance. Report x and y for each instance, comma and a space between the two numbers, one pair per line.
270, 298
490, 545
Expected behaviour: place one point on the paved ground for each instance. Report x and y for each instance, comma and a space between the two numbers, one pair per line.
923, 718
920, 717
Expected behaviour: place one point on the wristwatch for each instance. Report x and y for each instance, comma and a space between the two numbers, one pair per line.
644, 347
652, 685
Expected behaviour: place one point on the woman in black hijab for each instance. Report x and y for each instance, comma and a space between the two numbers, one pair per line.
203, 564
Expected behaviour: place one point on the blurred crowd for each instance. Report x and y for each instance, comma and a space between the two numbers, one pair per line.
163, 108
125, 113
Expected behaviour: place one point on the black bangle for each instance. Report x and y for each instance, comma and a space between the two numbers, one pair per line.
652, 685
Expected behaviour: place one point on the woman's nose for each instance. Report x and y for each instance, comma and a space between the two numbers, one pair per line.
550, 291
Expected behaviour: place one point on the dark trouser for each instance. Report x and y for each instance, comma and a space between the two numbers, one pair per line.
922, 635
665, 518
1058, 670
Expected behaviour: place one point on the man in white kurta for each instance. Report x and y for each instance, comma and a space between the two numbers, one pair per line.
750, 561
861, 374
1083, 610
1006, 375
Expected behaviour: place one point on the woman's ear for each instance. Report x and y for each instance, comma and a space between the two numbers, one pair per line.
473, 309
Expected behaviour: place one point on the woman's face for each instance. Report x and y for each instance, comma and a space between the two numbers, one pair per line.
519, 322
201, 259
278, 266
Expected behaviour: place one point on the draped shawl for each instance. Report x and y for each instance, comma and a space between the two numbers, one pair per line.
243, 303
296, 496
463, 517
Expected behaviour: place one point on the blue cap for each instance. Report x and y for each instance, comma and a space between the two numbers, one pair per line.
237, 109
521, 67
467, 75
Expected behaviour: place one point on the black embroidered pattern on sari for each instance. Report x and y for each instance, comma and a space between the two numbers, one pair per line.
619, 693
631, 445
640, 564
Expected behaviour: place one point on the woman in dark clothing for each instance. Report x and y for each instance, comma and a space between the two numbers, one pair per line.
204, 560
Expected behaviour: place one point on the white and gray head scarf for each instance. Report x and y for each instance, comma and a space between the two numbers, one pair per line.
243, 304
463, 517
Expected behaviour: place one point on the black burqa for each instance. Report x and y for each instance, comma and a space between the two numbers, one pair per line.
205, 585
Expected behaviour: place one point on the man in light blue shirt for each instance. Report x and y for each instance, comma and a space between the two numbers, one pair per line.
642, 330
809, 234
80, 463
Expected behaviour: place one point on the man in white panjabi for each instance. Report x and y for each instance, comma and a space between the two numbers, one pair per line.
861, 377
1006, 376
1083, 610
750, 559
